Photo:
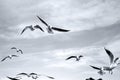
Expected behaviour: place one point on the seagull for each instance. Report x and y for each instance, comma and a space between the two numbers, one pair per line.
76, 57
113, 62
32, 28
101, 70
18, 50
50, 29
12, 78
10, 57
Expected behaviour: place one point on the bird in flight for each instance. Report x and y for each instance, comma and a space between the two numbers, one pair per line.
50, 29
13, 78
76, 57
114, 62
18, 50
32, 28
23, 74
8, 57
101, 70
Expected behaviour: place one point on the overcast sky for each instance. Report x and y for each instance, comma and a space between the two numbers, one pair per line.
93, 25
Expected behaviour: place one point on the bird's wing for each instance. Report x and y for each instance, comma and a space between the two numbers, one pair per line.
27, 27
95, 67
50, 77
12, 78
80, 56
71, 57
38, 27
23, 74
5, 58
110, 55
42, 21
116, 59
60, 30
13, 48
32, 74
14, 55
21, 51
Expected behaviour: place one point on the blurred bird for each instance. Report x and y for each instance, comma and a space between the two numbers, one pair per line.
101, 70
18, 50
50, 29
10, 57
32, 28
76, 57
23, 74
113, 62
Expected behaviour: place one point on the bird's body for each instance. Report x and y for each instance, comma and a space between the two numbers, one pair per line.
76, 57
10, 57
18, 50
113, 62
50, 29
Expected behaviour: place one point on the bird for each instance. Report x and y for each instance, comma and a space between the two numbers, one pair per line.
101, 70
10, 57
32, 28
114, 62
34, 75
76, 57
50, 29
18, 50
12, 78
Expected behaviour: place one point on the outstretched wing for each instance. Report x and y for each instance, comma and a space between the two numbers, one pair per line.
5, 58
25, 74
60, 30
20, 51
50, 77
110, 55
80, 56
95, 67
71, 57
115, 61
33, 74
14, 55
30, 27
14, 48
42, 21
12, 78
38, 27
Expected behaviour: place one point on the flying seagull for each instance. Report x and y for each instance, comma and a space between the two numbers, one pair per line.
10, 57
18, 50
113, 62
76, 57
50, 29
101, 70
32, 28
12, 78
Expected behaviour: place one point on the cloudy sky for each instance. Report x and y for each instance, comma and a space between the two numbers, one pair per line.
94, 24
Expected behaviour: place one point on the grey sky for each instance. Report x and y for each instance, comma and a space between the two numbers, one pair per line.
94, 24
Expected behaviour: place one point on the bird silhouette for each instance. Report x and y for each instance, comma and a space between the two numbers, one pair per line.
32, 28
101, 70
113, 62
50, 29
18, 50
76, 57
10, 57
12, 78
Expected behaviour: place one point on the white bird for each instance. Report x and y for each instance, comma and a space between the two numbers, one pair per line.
18, 50
50, 29
10, 57
101, 69
113, 62
32, 28
76, 57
